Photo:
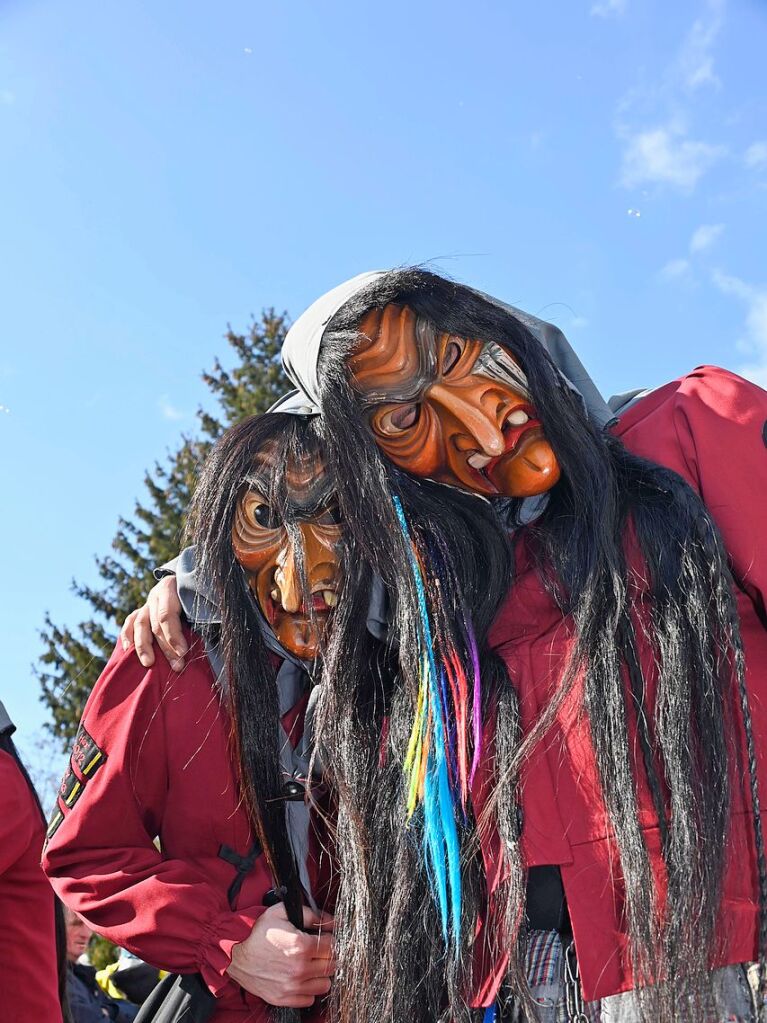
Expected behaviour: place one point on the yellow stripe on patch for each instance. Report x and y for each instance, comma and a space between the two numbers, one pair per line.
73, 794
92, 763
55, 822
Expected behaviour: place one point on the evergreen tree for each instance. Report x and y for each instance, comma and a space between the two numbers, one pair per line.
74, 657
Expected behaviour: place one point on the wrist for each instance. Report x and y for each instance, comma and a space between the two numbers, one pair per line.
219, 955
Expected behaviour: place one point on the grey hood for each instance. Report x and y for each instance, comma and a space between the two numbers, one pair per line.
564, 358
301, 348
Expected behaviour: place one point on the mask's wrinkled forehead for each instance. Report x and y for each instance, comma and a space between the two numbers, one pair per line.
299, 482
398, 352
398, 357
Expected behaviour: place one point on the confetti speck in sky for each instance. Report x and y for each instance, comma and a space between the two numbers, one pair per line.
634, 213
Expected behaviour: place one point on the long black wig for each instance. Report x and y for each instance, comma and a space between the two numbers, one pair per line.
249, 680
579, 541
385, 911
393, 961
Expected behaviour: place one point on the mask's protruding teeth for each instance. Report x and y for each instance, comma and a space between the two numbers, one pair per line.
330, 598
275, 595
518, 417
478, 461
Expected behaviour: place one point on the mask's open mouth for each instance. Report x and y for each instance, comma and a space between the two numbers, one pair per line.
323, 600
517, 423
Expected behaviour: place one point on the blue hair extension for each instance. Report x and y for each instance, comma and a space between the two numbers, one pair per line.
435, 858
442, 846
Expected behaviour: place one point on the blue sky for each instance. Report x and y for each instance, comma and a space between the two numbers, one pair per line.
170, 168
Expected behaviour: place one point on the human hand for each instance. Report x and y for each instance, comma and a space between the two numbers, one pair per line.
160, 617
282, 965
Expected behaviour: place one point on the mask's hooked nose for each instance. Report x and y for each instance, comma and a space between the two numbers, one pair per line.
287, 578
474, 421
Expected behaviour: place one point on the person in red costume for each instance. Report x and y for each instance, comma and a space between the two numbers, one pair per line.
634, 634
181, 830
32, 960
634, 627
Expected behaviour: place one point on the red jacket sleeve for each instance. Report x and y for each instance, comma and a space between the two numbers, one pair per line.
711, 427
19, 818
101, 857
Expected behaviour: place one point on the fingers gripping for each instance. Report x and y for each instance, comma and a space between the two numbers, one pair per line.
282, 965
160, 619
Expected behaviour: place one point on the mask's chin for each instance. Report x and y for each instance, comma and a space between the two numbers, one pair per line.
527, 471
299, 634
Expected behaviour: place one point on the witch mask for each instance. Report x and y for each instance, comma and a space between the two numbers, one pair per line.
290, 548
456, 410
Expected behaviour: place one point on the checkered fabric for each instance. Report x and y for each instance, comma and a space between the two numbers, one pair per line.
545, 975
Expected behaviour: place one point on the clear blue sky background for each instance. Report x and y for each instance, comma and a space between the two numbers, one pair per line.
170, 167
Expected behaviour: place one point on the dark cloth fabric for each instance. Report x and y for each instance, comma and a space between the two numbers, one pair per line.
707, 427
545, 899
167, 773
178, 1000
88, 1003
136, 980
28, 979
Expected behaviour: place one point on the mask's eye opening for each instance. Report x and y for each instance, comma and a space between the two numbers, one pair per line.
451, 355
399, 418
260, 513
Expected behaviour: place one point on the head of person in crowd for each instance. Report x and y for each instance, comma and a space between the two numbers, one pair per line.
421, 379
78, 935
273, 547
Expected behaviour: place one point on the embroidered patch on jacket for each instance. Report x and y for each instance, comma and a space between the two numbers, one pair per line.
70, 787
53, 824
87, 758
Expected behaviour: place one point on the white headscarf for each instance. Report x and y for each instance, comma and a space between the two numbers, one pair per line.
301, 347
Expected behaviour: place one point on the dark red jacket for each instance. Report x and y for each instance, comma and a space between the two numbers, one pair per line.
28, 981
152, 760
710, 428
